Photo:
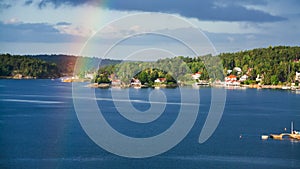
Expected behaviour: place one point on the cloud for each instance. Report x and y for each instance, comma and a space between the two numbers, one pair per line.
79, 31
56, 3
33, 32
4, 5
203, 10
29, 2
229, 42
63, 24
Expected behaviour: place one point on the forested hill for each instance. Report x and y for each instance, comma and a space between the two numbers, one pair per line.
66, 63
27, 67
276, 64
47, 66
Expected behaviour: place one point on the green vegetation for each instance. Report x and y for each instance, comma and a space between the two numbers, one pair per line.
128, 70
104, 73
277, 65
170, 70
48, 66
28, 67
66, 63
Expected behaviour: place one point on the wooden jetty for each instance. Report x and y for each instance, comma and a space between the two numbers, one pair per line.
293, 135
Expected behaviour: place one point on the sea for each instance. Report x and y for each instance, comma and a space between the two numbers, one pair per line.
40, 128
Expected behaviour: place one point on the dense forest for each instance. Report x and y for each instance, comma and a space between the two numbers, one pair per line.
27, 67
66, 63
172, 70
48, 66
275, 64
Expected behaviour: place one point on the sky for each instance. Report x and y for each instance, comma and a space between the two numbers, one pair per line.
116, 28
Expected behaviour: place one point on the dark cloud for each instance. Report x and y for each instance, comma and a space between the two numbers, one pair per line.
63, 24
32, 32
4, 5
219, 10
29, 2
58, 3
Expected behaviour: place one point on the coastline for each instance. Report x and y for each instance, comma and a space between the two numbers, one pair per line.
158, 86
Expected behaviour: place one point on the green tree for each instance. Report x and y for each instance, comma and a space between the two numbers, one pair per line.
274, 80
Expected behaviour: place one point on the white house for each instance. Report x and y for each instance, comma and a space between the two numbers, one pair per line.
160, 80
244, 78
258, 78
229, 71
238, 70
135, 82
116, 82
297, 78
231, 80
89, 75
196, 76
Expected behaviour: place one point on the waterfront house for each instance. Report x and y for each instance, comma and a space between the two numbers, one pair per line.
135, 82
231, 80
244, 78
196, 76
297, 78
116, 82
18, 76
160, 80
259, 78
238, 70
89, 75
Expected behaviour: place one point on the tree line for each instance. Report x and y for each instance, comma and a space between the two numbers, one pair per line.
275, 64
11, 65
49, 66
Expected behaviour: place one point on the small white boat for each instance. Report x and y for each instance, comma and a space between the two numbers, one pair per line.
264, 137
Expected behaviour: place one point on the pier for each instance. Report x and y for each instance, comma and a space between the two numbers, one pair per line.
280, 136
293, 135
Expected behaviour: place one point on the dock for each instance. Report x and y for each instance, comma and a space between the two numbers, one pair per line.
293, 135
282, 135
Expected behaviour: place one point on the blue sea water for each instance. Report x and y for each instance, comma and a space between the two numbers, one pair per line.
39, 129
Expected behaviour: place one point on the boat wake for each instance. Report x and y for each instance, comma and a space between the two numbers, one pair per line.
32, 101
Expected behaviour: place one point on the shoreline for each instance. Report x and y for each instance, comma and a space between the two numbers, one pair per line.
107, 85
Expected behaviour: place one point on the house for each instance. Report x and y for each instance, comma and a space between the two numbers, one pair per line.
18, 76
160, 80
231, 80
238, 70
135, 82
229, 71
249, 71
196, 76
258, 78
116, 82
89, 75
244, 78
297, 78
297, 60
